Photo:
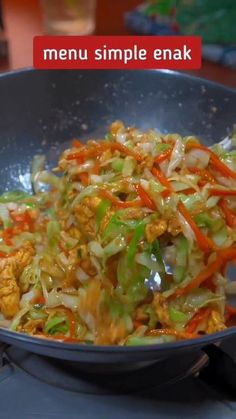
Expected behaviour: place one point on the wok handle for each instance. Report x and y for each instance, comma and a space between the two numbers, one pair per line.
220, 370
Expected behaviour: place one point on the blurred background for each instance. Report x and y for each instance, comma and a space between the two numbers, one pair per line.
214, 20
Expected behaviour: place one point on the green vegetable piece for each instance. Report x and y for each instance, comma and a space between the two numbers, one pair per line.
101, 212
57, 324
53, 233
14, 196
37, 313
138, 234
181, 259
204, 220
117, 164
177, 316
156, 250
148, 340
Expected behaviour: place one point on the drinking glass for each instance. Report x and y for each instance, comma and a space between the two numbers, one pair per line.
69, 17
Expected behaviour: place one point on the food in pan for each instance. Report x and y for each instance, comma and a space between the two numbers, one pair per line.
126, 242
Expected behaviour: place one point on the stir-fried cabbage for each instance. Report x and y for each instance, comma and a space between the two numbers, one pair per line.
126, 242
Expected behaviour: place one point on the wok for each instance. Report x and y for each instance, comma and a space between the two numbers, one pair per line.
41, 110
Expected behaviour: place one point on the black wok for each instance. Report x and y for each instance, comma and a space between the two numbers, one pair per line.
41, 110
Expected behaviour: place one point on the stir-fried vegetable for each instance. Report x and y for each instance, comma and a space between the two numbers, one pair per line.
128, 245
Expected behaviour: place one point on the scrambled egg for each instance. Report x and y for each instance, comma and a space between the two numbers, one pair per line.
161, 308
155, 229
85, 215
215, 322
10, 271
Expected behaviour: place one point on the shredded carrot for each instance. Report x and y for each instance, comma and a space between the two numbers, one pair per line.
121, 204
222, 192
137, 324
84, 178
76, 143
209, 284
7, 235
214, 160
3, 255
163, 156
96, 168
188, 191
205, 174
163, 180
97, 150
23, 219
178, 334
222, 257
204, 242
147, 201
202, 314
230, 312
39, 300
199, 279
229, 216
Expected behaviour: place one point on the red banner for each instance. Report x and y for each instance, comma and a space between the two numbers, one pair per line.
117, 52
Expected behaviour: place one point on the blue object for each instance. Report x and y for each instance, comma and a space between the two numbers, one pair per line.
139, 23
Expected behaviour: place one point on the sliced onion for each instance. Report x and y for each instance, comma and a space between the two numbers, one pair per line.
121, 137
187, 231
56, 299
81, 275
197, 158
176, 156
95, 248
96, 179
70, 301
145, 184
27, 297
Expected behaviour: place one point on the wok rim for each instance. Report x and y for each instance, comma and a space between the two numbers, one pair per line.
185, 344
173, 73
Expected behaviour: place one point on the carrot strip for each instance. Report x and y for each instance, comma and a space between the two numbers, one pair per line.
121, 204
163, 156
222, 192
189, 191
7, 235
164, 182
204, 242
199, 279
229, 216
215, 161
84, 178
76, 143
96, 168
205, 174
178, 334
100, 148
3, 255
147, 201
230, 311
38, 300
223, 256
197, 319
23, 219
209, 284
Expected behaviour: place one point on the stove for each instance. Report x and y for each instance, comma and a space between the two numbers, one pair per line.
199, 384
